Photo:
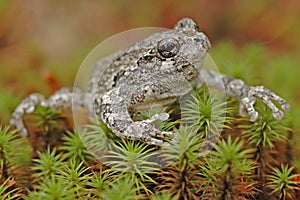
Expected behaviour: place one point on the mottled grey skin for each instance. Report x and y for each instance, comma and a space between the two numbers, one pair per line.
155, 70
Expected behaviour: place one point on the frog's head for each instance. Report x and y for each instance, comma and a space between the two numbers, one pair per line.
186, 46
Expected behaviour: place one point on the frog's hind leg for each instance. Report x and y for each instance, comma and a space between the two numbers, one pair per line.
61, 99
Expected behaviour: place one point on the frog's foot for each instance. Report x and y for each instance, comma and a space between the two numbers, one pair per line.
145, 132
59, 100
159, 134
26, 106
264, 94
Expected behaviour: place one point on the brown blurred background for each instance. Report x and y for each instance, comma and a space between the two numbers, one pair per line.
43, 42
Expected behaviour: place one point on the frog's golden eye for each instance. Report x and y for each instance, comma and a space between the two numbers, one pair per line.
168, 47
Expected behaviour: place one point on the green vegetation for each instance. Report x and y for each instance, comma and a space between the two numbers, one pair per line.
41, 47
248, 160
284, 181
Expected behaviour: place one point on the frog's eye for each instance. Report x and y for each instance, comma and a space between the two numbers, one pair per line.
168, 47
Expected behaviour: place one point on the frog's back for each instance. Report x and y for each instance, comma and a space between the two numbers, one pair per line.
110, 69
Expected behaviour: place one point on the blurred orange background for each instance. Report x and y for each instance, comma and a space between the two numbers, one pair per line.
43, 42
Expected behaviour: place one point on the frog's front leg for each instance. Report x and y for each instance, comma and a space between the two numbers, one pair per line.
246, 94
59, 100
113, 109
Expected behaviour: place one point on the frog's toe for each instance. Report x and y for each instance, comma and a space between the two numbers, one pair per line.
153, 141
161, 134
253, 115
166, 135
247, 103
285, 106
163, 116
278, 114
160, 116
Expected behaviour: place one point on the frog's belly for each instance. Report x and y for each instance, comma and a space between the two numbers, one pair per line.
153, 103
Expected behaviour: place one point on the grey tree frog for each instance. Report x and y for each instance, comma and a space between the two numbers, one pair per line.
157, 69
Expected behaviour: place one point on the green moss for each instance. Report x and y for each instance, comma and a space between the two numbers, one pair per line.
241, 165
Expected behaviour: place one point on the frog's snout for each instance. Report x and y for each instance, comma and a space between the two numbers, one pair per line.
202, 40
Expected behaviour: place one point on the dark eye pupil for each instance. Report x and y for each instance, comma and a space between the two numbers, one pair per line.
168, 47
